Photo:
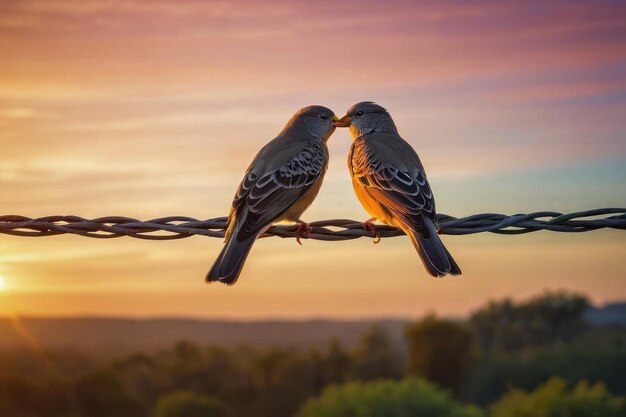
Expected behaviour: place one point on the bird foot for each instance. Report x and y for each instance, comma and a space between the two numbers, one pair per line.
307, 229
369, 225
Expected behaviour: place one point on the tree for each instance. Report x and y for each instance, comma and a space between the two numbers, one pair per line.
102, 393
441, 351
386, 398
336, 364
213, 371
141, 374
374, 358
283, 378
35, 396
554, 399
188, 404
594, 360
504, 326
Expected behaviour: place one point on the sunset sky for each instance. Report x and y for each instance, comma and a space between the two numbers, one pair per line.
148, 109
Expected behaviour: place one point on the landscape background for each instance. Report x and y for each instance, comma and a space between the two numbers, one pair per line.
553, 354
151, 109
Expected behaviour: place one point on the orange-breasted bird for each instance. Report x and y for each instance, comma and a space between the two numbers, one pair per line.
390, 182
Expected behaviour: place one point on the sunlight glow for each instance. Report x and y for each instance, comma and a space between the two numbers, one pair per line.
2, 283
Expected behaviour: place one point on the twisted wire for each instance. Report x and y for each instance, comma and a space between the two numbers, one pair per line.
178, 227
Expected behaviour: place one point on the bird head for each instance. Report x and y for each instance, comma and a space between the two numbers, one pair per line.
367, 117
318, 121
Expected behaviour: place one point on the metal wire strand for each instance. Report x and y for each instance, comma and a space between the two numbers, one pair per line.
178, 227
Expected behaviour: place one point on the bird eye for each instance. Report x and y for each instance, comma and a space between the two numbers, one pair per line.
323, 117
360, 113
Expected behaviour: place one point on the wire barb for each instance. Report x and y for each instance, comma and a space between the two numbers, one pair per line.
178, 227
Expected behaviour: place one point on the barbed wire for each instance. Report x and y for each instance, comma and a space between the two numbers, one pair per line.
178, 227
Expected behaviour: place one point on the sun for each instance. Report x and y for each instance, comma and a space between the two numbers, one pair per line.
2, 283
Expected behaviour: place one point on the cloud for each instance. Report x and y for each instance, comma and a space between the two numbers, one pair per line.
25, 113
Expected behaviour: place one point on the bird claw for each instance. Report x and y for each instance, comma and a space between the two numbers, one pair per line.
369, 225
303, 226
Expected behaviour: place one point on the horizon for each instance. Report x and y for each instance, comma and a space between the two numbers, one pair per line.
592, 305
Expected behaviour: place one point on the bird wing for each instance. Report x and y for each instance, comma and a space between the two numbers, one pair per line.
263, 196
395, 178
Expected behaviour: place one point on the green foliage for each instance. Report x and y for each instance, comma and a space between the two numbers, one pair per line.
385, 398
595, 360
375, 358
441, 351
336, 364
102, 393
524, 344
554, 399
21, 396
503, 326
283, 378
140, 373
211, 371
187, 404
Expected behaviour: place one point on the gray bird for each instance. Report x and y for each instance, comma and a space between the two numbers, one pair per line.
390, 182
280, 184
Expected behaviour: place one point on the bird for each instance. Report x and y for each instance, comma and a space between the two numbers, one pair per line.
279, 185
390, 182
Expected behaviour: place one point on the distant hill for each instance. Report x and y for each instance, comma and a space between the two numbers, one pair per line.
122, 334
130, 334
614, 313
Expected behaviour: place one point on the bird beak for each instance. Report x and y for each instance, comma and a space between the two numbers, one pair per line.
343, 122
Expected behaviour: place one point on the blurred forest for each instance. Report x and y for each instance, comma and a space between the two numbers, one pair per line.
536, 358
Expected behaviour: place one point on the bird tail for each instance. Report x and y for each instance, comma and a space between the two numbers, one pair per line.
228, 265
435, 257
